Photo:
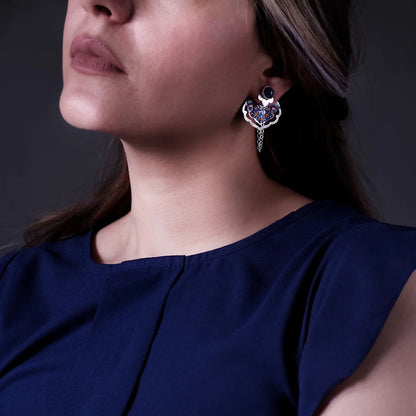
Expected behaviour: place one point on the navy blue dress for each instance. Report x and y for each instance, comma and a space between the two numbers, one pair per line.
268, 325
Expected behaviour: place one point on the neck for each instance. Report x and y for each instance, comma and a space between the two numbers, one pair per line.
193, 199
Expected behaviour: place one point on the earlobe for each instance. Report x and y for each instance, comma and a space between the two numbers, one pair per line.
284, 85
268, 74
279, 85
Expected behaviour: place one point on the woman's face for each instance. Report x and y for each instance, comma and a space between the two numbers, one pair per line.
168, 68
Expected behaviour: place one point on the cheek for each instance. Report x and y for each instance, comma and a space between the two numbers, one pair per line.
194, 65
211, 52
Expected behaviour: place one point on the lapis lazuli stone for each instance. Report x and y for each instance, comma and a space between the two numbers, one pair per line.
268, 92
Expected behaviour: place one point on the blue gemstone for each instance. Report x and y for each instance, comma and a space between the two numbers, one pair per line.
268, 92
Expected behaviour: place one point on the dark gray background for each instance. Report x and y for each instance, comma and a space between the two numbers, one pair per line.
44, 163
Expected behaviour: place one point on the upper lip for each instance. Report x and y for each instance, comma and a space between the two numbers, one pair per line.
95, 47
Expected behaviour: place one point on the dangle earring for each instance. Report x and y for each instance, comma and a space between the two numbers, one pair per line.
263, 115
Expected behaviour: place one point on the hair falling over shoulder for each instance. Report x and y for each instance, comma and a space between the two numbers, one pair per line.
310, 42
110, 201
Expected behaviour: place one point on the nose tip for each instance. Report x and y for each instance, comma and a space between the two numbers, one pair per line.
119, 11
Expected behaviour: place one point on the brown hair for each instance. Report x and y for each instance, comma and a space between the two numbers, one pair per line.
306, 151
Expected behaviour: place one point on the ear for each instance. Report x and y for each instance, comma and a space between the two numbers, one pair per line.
268, 77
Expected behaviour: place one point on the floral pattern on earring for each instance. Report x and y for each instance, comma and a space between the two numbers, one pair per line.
263, 115
259, 116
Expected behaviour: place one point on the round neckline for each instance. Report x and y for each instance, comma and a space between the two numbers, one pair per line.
179, 260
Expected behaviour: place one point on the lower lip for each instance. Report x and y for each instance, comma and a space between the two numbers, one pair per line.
93, 65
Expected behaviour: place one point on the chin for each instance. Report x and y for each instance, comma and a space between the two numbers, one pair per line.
81, 112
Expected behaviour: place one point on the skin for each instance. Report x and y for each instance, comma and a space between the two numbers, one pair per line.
183, 60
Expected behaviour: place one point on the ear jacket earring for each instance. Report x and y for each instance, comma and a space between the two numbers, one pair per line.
261, 116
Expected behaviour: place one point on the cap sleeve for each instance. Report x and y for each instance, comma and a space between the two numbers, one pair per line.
356, 286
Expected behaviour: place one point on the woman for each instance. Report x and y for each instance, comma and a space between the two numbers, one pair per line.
223, 269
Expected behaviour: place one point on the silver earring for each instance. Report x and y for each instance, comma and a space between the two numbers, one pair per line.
261, 116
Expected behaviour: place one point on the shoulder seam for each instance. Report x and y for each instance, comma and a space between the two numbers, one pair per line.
354, 228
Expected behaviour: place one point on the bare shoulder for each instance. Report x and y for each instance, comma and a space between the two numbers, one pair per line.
385, 383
